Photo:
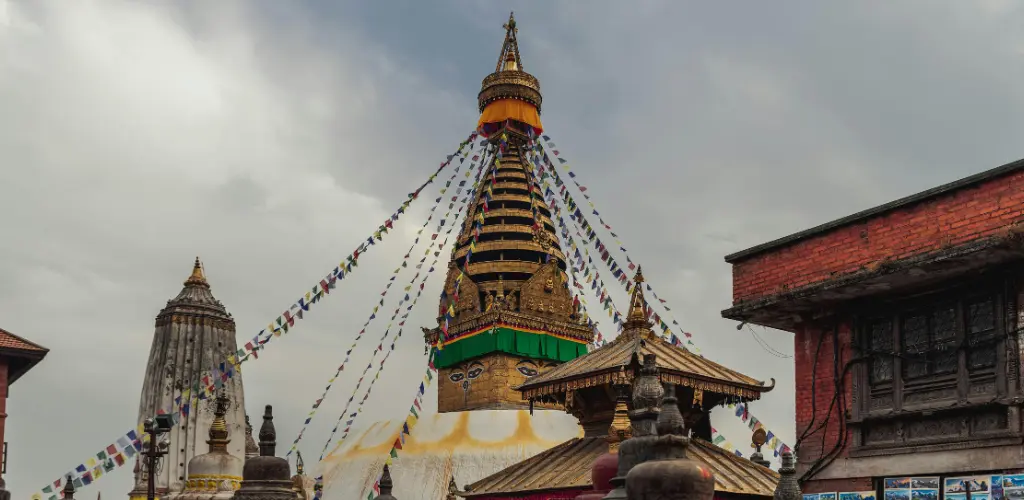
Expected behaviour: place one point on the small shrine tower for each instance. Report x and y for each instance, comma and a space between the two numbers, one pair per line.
194, 337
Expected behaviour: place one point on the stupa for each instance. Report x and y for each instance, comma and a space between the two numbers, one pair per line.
510, 318
192, 332
216, 474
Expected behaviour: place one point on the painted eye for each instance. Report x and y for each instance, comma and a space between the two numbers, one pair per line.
527, 371
456, 377
474, 372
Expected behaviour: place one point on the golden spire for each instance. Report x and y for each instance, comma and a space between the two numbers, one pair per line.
508, 59
637, 305
198, 277
219, 428
621, 429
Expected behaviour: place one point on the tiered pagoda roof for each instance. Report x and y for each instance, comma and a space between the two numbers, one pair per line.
675, 365
568, 467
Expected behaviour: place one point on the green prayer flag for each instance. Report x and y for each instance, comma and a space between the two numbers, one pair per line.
394, 453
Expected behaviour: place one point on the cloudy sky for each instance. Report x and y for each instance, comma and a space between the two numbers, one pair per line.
272, 137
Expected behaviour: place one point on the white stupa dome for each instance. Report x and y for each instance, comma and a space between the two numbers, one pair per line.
468, 446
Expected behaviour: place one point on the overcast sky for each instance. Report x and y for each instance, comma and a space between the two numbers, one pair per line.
270, 138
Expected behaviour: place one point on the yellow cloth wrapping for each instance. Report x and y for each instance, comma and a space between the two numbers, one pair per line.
511, 109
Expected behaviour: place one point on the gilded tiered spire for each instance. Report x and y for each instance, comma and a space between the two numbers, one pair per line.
198, 277
219, 428
621, 429
637, 303
510, 82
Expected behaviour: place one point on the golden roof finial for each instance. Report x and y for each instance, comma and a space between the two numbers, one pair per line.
621, 429
637, 303
198, 277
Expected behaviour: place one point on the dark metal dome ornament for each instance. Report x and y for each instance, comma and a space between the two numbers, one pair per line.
669, 474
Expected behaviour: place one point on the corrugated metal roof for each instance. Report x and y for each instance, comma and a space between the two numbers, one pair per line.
608, 359
567, 466
9, 340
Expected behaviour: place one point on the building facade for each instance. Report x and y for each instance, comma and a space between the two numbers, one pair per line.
907, 322
17, 357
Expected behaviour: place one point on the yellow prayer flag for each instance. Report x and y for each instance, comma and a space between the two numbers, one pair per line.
91, 463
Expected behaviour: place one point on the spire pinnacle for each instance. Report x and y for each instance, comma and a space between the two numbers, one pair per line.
198, 276
637, 303
508, 59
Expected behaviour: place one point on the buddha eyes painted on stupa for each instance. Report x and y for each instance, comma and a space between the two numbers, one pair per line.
527, 368
467, 372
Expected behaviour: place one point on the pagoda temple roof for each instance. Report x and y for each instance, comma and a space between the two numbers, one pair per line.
675, 365
22, 354
568, 466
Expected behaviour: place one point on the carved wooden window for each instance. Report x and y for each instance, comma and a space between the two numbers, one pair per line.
930, 351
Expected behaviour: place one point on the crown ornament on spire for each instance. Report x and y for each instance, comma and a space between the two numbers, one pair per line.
198, 276
637, 317
510, 80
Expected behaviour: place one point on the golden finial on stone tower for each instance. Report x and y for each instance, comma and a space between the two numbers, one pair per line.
198, 277
637, 304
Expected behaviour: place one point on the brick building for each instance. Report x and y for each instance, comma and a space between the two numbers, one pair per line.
17, 356
907, 325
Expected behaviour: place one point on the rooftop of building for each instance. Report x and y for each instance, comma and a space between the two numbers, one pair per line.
956, 185
940, 236
21, 354
568, 467
675, 365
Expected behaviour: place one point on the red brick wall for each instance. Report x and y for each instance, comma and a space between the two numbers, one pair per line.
812, 406
950, 219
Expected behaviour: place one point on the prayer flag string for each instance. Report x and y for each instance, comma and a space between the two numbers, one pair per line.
129, 444
579, 267
352, 417
383, 295
541, 155
411, 419
478, 219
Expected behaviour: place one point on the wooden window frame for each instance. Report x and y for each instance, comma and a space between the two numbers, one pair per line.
933, 393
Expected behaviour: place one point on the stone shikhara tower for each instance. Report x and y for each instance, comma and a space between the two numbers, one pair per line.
194, 335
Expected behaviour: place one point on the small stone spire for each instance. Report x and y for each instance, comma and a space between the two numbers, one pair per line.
268, 435
251, 449
647, 398
219, 438
670, 421
266, 477
198, 277
665, 471
788, 487
69, 489
386, 485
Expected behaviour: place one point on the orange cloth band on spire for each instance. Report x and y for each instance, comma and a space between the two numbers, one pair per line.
511, 109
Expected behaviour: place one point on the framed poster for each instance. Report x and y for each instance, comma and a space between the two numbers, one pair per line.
858, 495
897, 488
